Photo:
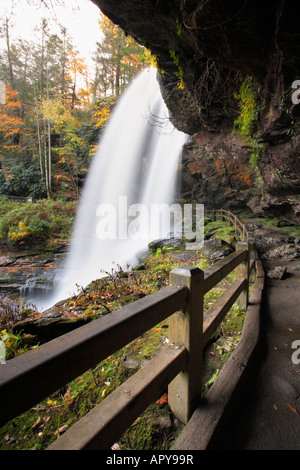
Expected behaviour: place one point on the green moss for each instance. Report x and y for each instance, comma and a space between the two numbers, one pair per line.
233, 322
219, 229
153, 430
281, 225
244, 124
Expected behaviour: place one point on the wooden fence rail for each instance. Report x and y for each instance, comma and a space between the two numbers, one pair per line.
232, 219
33, 376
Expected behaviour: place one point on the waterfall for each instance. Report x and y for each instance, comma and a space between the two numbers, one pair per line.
134, 167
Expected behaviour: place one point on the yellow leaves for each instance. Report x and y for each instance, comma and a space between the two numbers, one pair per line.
76, 63
19, 235
36, 423
51, 402
52, 110
106, 24
93, 150
148, 59
61, 177
102, 115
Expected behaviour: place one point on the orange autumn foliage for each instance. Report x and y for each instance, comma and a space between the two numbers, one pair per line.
10, 121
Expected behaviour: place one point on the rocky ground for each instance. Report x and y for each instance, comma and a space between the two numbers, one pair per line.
276, 246
30, 274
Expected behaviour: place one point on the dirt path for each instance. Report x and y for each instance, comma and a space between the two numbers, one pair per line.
266, 410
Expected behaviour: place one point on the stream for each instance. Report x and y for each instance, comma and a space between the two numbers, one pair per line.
30, 276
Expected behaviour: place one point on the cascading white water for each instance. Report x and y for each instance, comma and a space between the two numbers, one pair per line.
136, 163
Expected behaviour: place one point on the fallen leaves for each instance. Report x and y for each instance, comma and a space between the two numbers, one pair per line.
163, 400
62, 429
293, 409
115, 447
36, 423
290, 406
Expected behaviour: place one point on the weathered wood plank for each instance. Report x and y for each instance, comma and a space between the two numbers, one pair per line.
201, 427
242, 271
185, 328
252, 267
214, 316
214, 274
106, 423
31, 377
259, 268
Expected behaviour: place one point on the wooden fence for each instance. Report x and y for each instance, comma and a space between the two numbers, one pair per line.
232, 219
16, 198
28, 379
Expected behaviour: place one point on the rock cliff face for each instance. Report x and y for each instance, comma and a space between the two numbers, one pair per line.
205, 50
215, 170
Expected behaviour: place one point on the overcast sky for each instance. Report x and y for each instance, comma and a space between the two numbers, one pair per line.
80, 17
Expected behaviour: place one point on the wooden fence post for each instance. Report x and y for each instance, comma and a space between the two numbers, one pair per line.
186, 328
242, 271
251, 244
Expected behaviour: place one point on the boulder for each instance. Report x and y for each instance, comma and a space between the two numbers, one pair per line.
279, 272
47, 328
215, 249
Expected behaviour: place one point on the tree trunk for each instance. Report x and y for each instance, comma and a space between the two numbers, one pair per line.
10, 66
39, 135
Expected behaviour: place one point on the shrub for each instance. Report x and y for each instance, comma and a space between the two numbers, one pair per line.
24, 225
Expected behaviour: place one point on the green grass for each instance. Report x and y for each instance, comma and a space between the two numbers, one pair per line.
281, 225
221, 230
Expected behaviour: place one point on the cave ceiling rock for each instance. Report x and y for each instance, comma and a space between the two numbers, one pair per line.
209, 45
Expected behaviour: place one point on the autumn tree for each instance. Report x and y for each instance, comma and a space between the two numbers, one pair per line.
54, 112
58, 68
117, 59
